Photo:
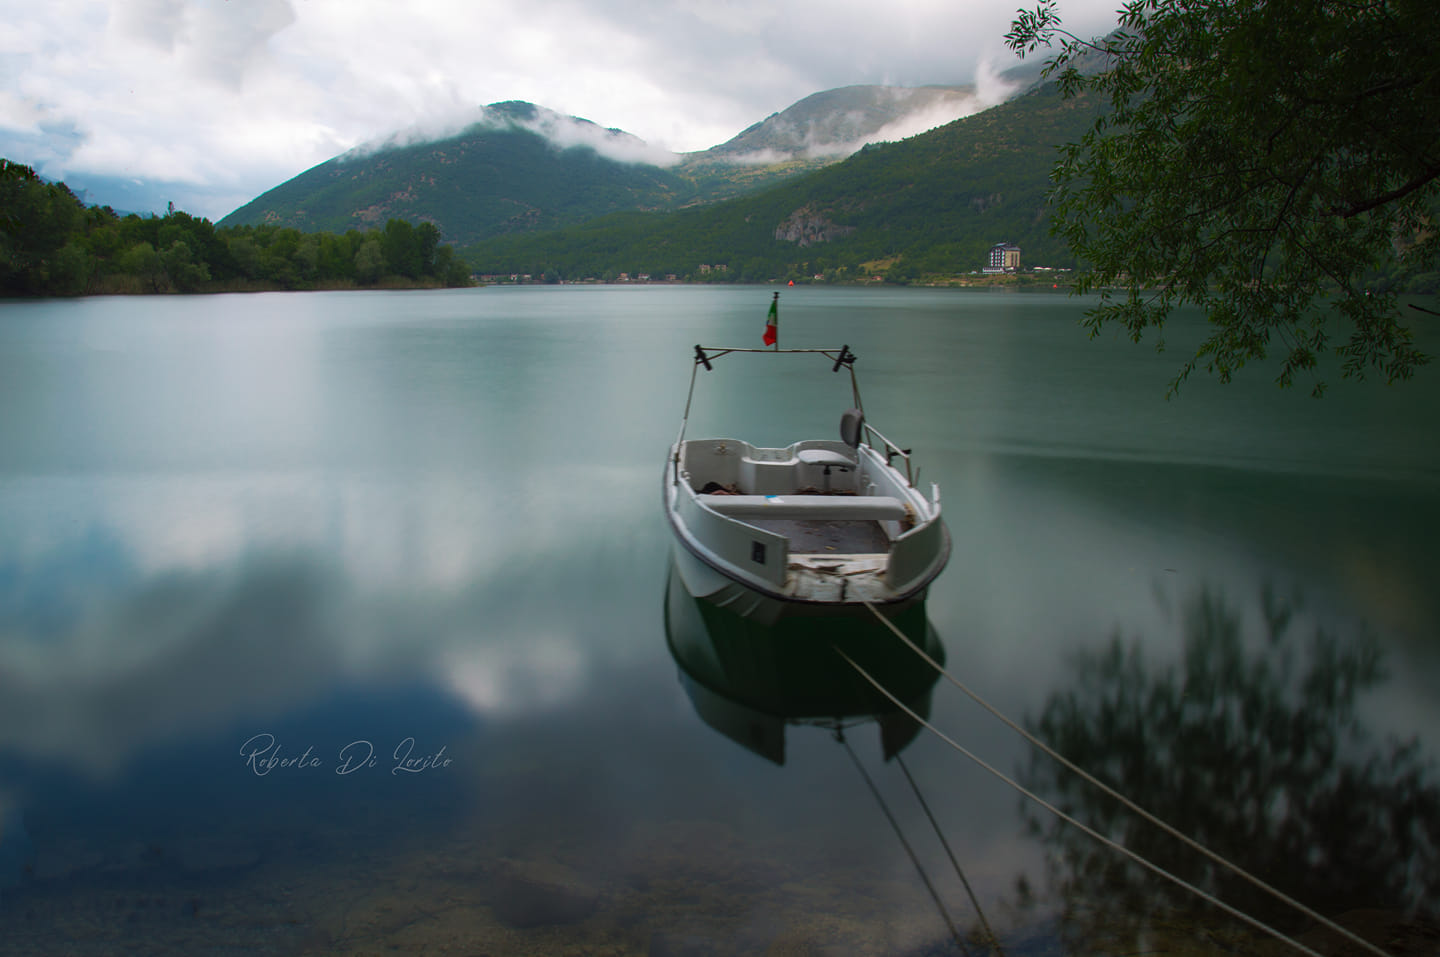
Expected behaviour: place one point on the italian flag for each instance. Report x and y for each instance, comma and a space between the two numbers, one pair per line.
772, 322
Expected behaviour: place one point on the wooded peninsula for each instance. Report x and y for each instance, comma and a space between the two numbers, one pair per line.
52, 244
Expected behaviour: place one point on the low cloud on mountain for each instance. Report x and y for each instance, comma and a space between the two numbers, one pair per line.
564, 132
836, 123
226, 99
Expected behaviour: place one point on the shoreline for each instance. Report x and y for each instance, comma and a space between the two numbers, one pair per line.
130, 286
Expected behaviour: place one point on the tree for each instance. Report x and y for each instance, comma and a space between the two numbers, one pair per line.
144, 263
70, 270
451, 270
427, 238
36, 222
1260, 160
179, 264
369, 261
403, 253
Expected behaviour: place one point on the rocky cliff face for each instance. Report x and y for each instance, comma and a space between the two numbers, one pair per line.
806, 227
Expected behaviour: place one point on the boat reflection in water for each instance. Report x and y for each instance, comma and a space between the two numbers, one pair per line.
748, 680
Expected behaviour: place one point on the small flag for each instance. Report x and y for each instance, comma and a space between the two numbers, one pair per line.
772, 322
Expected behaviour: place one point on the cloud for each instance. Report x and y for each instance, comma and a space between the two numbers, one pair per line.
564, 132
19, 115
928, 118
231, 98
919, 110
990, 89
156, 23
567, 132
990, 86
219, 40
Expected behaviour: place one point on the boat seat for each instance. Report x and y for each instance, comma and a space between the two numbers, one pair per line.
840, 508
826, 457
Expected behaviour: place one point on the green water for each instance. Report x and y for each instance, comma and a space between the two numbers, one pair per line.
350, 520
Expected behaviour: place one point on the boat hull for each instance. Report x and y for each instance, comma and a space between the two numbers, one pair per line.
708, 583
709, 578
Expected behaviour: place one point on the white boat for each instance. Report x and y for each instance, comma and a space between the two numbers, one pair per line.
818, 526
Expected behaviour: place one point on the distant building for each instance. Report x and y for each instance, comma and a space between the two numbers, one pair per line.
1004, 257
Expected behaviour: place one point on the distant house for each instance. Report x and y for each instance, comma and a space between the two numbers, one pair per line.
1004, 257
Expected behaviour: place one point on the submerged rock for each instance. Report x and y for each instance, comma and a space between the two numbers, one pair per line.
1395, 932
17, 853
683, 945
532, 894
202, 856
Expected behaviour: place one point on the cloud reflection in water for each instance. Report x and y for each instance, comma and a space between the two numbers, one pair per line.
175, 607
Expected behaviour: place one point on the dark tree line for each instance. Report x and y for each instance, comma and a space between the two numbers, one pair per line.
51, 244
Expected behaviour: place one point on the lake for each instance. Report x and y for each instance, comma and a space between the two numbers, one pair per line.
343, 623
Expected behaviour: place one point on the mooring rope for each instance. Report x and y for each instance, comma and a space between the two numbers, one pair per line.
1137, 809
1086, 829
895, 825
974, 901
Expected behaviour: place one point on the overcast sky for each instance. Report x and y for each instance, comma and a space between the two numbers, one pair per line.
219, 100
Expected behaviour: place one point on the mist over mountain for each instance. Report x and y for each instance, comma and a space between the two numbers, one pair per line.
561, 131
516, 167
836, 123
929, 206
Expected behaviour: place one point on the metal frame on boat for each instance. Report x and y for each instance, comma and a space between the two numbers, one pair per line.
818, 526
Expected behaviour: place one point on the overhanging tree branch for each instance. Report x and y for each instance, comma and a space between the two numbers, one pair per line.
1249, 162
1420, 181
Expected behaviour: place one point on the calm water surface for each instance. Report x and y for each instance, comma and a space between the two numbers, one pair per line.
340, 623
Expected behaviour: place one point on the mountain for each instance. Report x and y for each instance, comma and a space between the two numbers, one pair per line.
931, 204
519, 168
523, 168
836, 123
818, 131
